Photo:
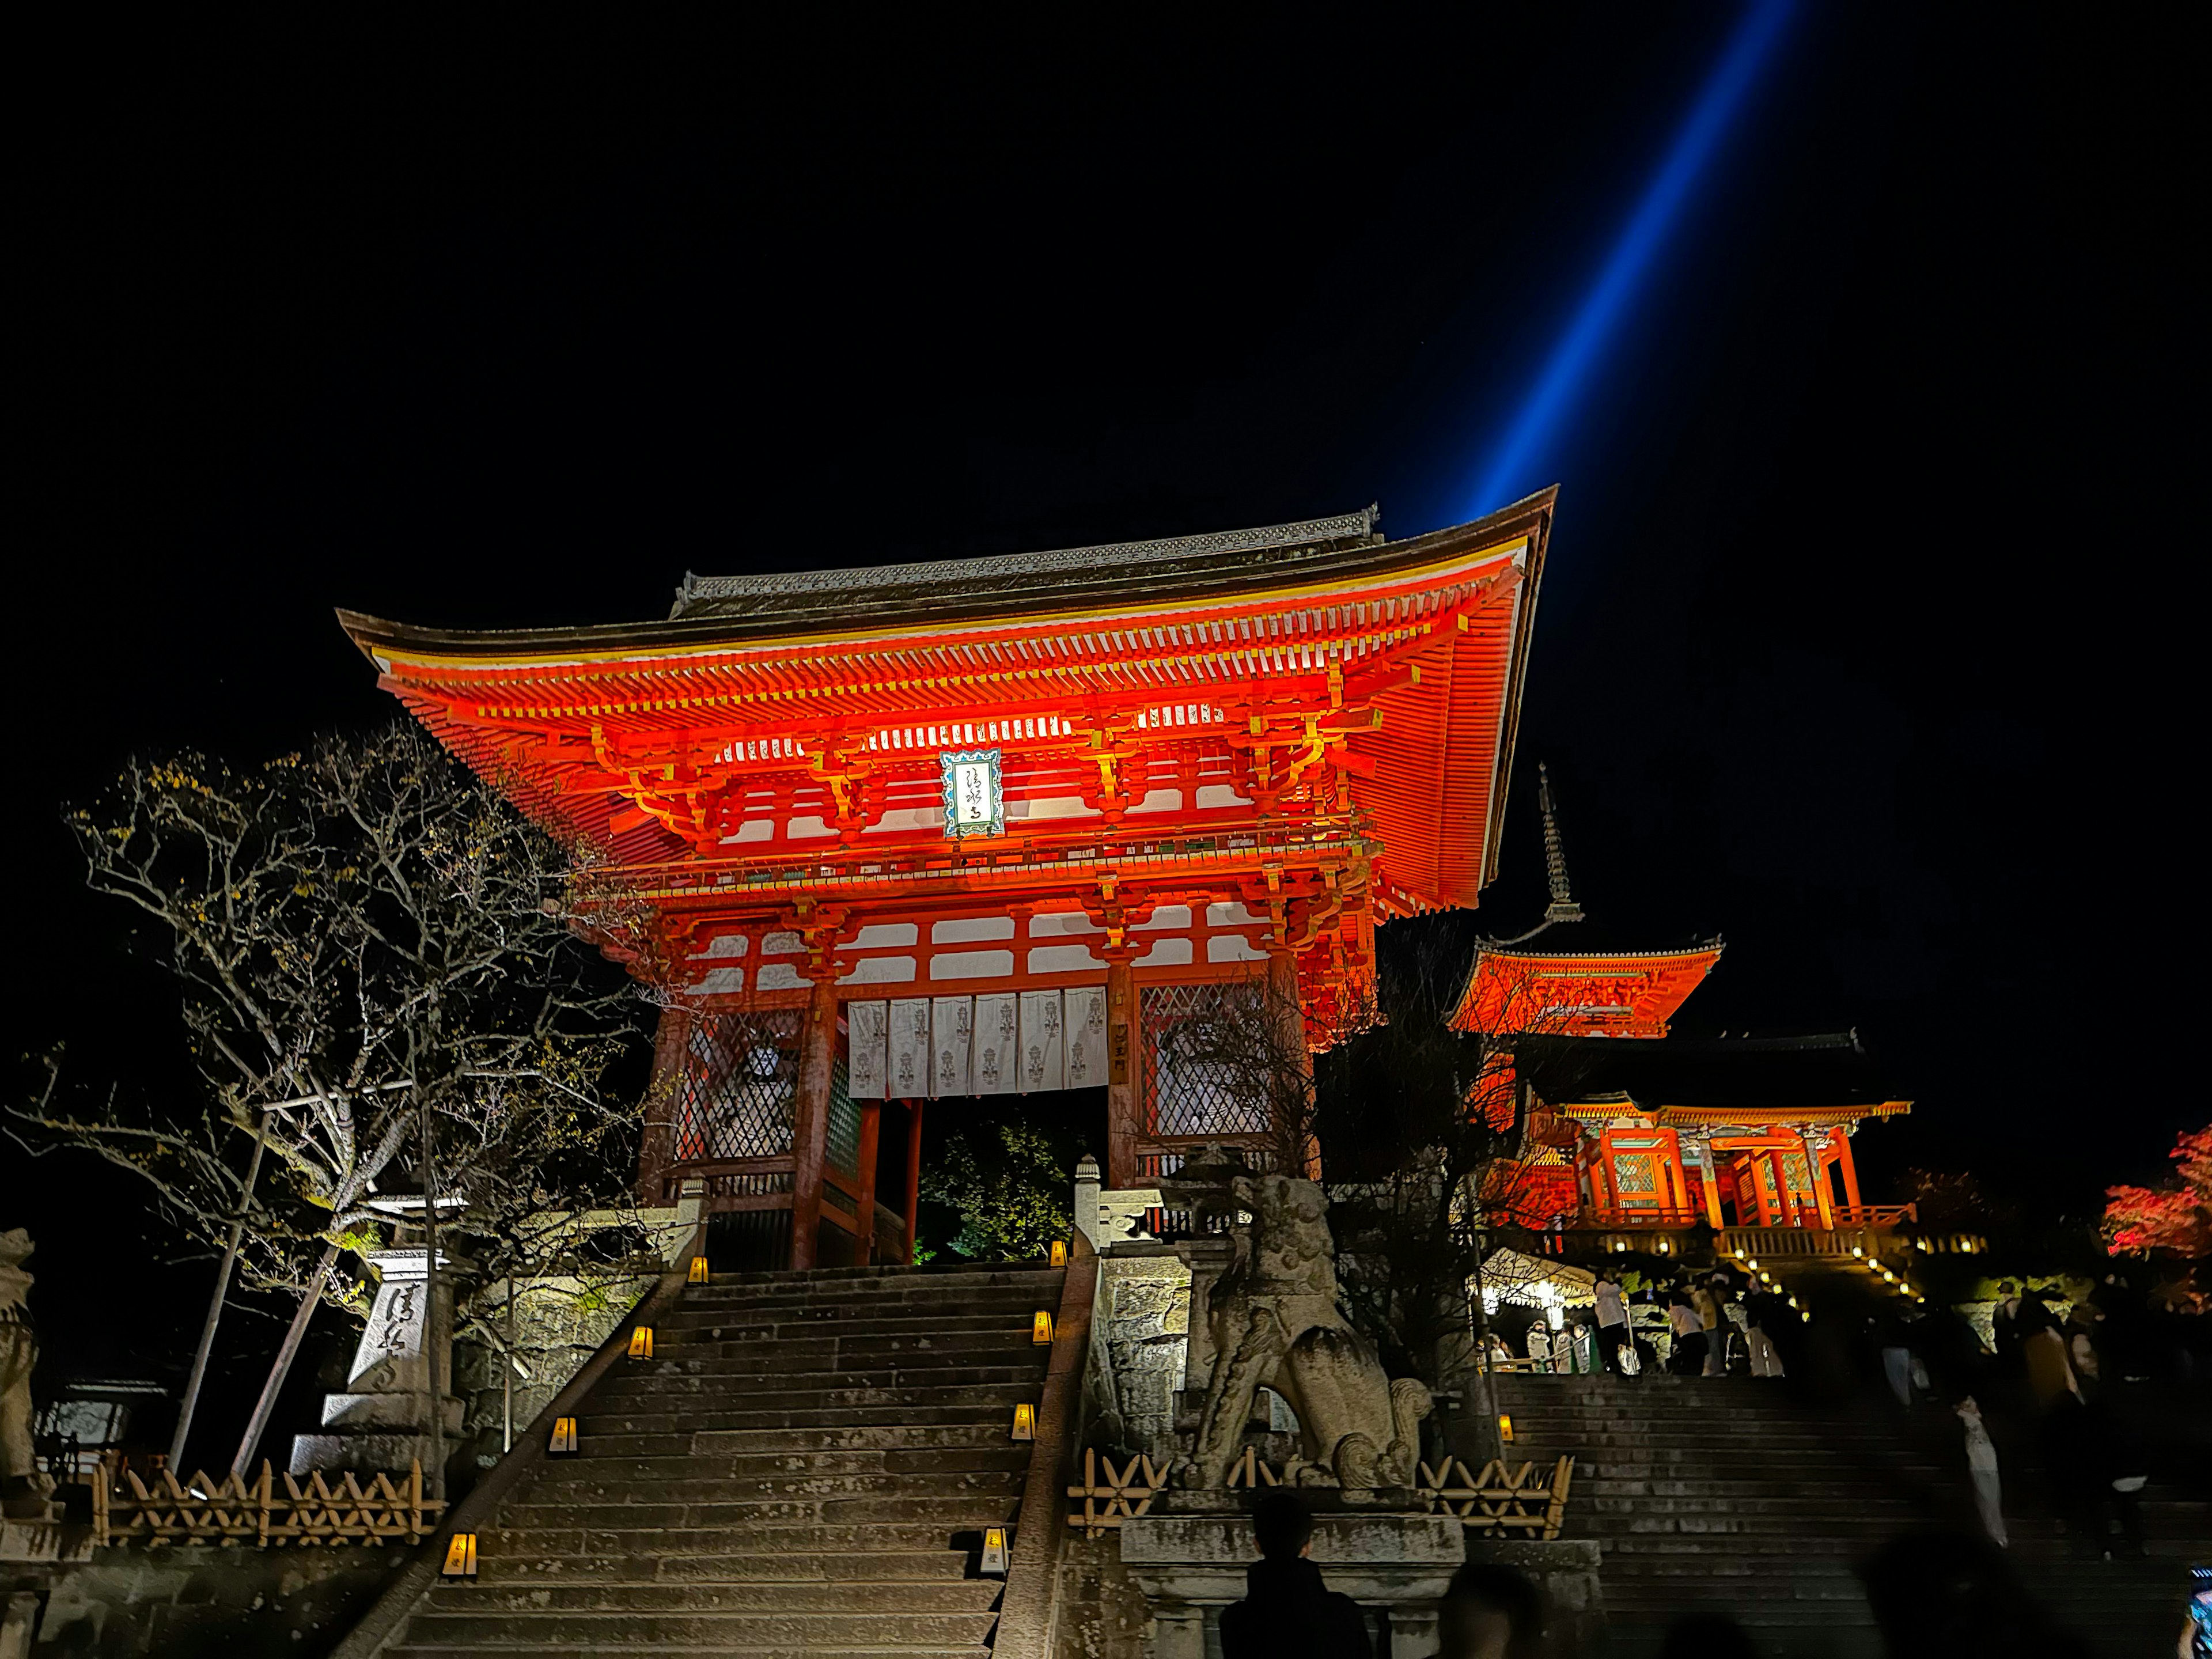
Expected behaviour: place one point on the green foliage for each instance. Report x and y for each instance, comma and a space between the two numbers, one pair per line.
1010, 1191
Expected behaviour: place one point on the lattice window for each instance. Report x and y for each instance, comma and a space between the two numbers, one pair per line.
740, 1077
1206, 1058
1635, 1172
841, 1135
1797, 1172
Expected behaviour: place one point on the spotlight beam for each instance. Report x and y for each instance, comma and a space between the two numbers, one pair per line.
1569, 363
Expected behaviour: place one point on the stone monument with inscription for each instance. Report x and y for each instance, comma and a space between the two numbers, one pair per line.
381, 1420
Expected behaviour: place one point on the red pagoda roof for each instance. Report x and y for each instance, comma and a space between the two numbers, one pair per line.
1394, 667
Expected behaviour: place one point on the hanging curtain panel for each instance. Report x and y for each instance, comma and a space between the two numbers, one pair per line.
868, 1029
952, 1022
909, 1049
1043, 1048
1085, 1007
997, 1063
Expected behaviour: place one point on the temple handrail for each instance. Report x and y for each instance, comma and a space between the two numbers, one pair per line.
1028, 1610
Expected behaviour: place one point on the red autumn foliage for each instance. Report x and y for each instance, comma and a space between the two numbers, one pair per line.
2177, 1217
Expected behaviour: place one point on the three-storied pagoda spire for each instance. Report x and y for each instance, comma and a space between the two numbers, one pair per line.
1563, 907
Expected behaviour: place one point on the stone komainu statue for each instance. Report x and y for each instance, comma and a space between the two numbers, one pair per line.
1274, 1323
20, 1477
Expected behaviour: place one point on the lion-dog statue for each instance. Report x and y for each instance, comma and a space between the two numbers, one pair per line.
1275, 1322
24, 1487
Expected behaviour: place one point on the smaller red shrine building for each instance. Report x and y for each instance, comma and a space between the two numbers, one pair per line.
1629, 1129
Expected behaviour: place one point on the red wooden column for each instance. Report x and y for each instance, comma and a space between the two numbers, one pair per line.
1125, 1090
1850, 1171
872, 1124
1671, 1144
1283, 1002
913, 1174
817, 1051
656, 1146
1818, 1174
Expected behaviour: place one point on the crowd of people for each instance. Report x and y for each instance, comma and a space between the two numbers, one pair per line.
2050, 1385
1715, 1324
1934, 1596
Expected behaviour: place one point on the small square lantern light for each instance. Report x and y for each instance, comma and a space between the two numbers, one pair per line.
994, 1552
1026, 1422
1041, 1328
460, 1556
1505, 1427
564, 1436
1060, 1252
640, 1343
699, 1270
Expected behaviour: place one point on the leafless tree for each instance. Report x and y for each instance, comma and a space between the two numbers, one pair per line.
378, 959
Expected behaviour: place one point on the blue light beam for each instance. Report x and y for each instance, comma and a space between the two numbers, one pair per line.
1571, 358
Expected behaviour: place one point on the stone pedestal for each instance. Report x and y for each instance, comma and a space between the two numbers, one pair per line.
382, 1420
1190, 1567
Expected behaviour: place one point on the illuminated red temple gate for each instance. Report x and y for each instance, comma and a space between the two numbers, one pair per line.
1003, 824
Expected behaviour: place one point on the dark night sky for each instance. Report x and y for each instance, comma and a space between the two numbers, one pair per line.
1861, 642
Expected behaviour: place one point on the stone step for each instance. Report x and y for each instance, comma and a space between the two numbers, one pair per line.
615, 1632
586, 1492
861, 1319
698, 1391
586, 1467
704, 1417
749, 1539
949, 1595
710, 1650
787, 1476
953, 1507
884, 1437
782, 1566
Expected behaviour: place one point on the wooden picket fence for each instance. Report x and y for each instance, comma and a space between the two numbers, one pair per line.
236, 1512
1126, 1491
1500, 1499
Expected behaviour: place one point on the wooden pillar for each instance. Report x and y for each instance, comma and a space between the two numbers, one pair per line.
1762, 1182
656, 1146
872, 1124
1602, 1196
1284, 1003
817, 1051
1850, 1171
1124, 1070
913, 1174
1818, 1174
1672, 1144
1710, 1180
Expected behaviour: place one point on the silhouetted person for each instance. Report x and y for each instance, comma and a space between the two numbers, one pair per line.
1948, 1595
1612, 1321
1707, 1636
2004, 1327
1689, 1336
1286, 1609
1982, 1468
1490, 1612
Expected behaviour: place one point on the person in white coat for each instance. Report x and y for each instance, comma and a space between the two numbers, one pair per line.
1982, 1465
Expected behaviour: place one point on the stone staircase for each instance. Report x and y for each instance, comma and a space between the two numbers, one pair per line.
788, 1476
1730, 1495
